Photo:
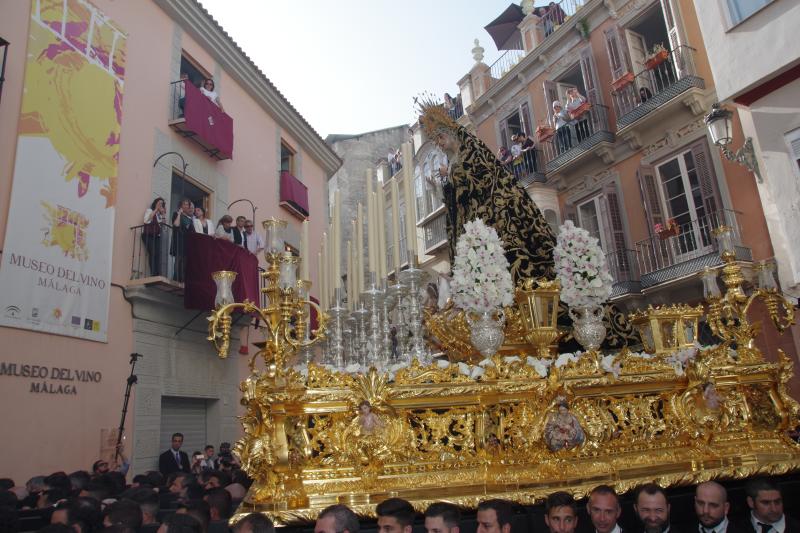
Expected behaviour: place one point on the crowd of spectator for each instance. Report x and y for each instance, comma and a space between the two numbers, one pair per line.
190, 218
197, 495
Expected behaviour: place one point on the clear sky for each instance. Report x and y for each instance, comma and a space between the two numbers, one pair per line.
352, 66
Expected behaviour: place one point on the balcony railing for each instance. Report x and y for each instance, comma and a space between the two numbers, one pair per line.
691, 245
150, 254
530, 169
457, 109
554, 16
195, 117
576, 138
623, 268
651, 88
507, 60
435, 231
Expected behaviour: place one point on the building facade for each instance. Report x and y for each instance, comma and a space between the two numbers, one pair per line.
271, 157
635, 167
742, 41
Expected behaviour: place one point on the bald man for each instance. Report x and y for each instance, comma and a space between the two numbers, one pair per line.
711, 507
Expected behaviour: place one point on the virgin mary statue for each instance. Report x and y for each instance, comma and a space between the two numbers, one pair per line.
478, 186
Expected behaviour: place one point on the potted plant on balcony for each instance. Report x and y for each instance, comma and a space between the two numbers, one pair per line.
657, 55
668, 229
544, 132
582, 27
623, 81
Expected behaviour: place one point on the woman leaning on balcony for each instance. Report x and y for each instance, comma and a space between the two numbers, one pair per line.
154, 216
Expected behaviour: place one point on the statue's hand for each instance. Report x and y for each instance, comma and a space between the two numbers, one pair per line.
443, 171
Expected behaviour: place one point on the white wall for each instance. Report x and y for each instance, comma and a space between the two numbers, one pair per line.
753, 51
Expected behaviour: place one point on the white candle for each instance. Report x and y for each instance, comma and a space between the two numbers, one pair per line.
337, 244
371, 244
396, 227
305, 259
354, 260
349, 260
411, 212
360, 248
381, 228
324, 274
323, 297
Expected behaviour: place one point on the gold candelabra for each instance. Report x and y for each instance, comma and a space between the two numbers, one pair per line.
727, 313
285, 315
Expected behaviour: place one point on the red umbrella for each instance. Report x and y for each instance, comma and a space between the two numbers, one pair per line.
504, 30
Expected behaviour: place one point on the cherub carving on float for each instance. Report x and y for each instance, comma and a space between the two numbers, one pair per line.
368, 421
562, 431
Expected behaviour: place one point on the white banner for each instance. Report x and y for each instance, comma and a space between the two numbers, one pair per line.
56, 270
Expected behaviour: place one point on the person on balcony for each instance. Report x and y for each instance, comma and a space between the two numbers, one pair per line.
504, 156
224, 229
238, 231
208, 89
579, 118
154, 216
645, 94
252, 239
201, 223
181, 225
528, 151
562, 123
393, 163
516, 155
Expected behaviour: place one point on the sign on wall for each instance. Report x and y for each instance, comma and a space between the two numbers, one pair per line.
56, 271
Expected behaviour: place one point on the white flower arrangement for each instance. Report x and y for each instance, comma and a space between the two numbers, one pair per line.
481, 277
581, 268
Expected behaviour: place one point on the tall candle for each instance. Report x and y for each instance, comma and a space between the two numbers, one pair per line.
360, 248
329, 254
381, 228
349, 273
371, 244
337, 243
396, 226
324, 275
305, 259
323, 296
411, 212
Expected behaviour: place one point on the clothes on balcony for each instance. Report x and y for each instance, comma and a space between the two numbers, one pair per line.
480, 187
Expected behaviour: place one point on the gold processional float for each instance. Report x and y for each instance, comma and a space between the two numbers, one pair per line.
518, 425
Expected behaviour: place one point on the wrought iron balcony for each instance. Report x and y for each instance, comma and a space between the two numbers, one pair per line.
667, 77
435, 230
623, 268
687, 249
554, 15
582, 136
195, 117
529, 169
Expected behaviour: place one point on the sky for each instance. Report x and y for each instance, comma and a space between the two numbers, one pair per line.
353, 66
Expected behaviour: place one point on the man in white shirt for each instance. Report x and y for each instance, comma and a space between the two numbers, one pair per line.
252, 240
604, 509
652, 507
766, 508
711, 507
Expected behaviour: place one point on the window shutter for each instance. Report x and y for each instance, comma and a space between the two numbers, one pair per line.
617, 52
525, 119
590, 76
650, 197
550, 96
614, 228
708, 181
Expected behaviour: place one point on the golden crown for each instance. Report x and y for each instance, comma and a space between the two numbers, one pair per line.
432, 115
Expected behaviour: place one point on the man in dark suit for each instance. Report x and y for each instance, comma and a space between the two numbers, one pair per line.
766, 509
711, 507
174, 460
604, 509
560, 514
652, 508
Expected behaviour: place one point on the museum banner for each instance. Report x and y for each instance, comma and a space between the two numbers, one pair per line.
56, 270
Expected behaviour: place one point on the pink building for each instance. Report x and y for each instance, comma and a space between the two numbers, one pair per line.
62, 392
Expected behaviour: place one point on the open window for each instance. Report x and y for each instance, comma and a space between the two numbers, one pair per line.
193, 70
185, 187
601, 216
516, 122
287, 158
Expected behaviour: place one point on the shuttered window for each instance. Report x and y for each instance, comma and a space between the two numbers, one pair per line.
793, 142
187, 416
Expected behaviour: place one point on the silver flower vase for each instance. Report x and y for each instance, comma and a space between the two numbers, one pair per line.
588, 328
487, 332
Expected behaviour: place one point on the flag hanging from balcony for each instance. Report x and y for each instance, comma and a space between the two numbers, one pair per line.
208, 122
56, 272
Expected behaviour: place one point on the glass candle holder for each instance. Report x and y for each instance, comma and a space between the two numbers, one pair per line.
274, 229
710, 286
224, 280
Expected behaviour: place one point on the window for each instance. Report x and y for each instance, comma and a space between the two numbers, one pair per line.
589, 219
287, 158
185, 187
519, 120
738, 10
793, 142
688, 195
193, 70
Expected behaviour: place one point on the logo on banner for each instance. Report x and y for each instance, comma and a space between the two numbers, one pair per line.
12, 311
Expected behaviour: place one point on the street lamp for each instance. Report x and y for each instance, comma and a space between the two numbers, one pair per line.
720, 127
